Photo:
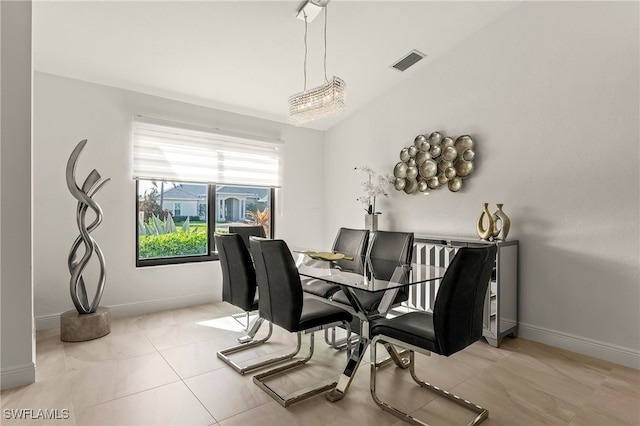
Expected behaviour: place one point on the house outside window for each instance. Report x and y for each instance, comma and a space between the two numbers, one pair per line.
177, 218
243, 205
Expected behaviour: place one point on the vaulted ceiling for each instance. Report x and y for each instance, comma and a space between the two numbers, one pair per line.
247, 56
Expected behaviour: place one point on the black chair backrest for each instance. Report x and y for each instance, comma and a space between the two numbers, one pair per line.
281, 296
238, 274
352, 243
457, 313
247, 231
393, 246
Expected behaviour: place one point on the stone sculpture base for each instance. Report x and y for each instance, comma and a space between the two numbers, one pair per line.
75, 327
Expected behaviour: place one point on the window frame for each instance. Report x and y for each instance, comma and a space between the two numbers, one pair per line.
212, 255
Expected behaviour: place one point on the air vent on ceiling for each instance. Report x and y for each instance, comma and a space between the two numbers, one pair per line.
409, 60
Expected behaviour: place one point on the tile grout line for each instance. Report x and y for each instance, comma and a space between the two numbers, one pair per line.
216, 422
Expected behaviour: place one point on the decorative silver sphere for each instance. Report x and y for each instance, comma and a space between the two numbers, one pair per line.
446, 142
411, 186
435, 138
412, 173
428, 169
455, 184
436, 150
400, 170
449, 153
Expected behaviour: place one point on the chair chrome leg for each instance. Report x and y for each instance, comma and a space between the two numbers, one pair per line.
244, 315
398, 358
331, 341
251, 330
244, 369
483, 413
261, 379
341, 344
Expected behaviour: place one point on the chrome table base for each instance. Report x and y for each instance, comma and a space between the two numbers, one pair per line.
357, 353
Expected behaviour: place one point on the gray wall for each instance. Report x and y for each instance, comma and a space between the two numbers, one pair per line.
550, 94
17, 345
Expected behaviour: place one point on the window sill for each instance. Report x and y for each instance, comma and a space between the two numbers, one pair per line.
176, 260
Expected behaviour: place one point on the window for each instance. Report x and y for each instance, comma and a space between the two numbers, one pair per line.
192, 183
167, 233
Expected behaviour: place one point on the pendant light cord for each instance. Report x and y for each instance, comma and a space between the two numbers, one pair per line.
325, 44
305, 51
306, 48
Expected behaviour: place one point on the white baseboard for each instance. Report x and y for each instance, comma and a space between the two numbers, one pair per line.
613, 353
44, 322
17, 375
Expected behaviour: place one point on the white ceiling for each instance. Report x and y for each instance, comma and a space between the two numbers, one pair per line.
247, 56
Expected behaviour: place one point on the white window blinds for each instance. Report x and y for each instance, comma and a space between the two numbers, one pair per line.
190, 154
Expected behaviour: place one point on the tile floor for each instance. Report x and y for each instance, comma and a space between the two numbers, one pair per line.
162, 368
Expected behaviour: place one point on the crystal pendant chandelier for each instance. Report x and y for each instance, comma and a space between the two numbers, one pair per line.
321, 101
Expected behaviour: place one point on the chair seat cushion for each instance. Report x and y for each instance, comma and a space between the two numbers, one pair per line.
319, 287
315, 313
415, 328
369, 301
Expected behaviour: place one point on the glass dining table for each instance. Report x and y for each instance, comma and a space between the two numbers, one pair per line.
357, 277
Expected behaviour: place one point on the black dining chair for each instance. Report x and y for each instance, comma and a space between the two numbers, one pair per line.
384, 245
238, 275
353, 243
246, 231
389, 245
239, 288
456, 322
282, 302
350, 242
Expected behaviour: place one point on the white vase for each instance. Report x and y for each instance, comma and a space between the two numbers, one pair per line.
371, 222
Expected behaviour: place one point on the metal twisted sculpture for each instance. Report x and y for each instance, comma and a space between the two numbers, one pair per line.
92, 184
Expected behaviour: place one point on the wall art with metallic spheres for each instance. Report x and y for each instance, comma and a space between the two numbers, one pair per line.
434, 161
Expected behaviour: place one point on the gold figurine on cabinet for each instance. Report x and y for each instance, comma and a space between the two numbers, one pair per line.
485, 233
500, 232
